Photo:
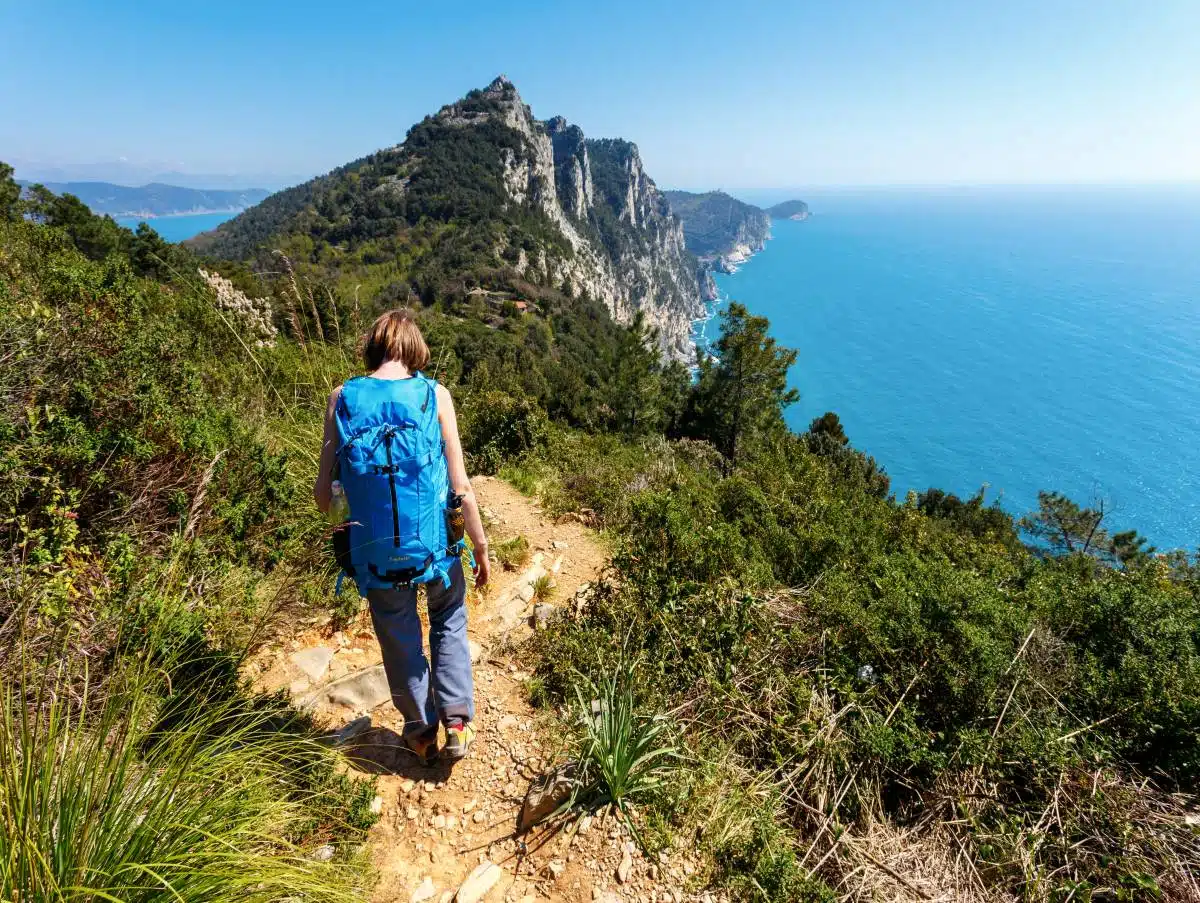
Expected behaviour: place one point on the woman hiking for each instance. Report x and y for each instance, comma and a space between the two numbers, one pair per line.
391, 442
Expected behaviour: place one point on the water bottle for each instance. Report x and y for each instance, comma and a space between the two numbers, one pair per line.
339, 505
456, 523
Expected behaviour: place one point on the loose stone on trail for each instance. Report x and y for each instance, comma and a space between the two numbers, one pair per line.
625, 868
548, 792
425, 891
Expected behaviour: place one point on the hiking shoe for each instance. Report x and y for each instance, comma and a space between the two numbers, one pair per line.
422, 744
458, 740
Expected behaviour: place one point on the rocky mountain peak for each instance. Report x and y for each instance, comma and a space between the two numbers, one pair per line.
500, 88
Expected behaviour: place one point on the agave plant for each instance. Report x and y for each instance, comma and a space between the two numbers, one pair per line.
623, 755
543, 588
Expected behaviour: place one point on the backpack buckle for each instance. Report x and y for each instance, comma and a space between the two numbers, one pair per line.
401, 578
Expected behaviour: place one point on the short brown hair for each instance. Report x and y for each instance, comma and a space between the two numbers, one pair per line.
395, 336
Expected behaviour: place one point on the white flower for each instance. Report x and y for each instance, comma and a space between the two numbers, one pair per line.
251, 314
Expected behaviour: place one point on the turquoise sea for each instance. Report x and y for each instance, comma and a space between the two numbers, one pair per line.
1015, 338
179, 228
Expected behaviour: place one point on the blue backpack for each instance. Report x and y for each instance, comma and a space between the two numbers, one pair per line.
392, 465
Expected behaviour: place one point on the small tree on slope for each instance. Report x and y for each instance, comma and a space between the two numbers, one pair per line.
740, 395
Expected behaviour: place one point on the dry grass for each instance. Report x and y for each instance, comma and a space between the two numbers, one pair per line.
1092, 820
883, 862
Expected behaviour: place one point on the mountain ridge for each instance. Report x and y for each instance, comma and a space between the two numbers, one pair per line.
478, 195
719, 229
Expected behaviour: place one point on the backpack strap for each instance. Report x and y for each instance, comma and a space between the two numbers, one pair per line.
430, 391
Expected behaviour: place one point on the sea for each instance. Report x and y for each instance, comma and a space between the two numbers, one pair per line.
1011, 339
180, 227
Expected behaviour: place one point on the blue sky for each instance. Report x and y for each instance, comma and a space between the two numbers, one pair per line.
743, 96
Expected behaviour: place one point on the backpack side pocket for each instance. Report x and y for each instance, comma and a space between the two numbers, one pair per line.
341, 548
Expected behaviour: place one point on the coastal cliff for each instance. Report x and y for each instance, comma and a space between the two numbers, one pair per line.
724, 232
480, 194
627, 249
720, 230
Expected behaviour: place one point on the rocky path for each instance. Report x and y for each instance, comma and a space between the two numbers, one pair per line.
450, 833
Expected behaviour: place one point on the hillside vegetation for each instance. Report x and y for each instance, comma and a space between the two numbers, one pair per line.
1022, 699
789, 210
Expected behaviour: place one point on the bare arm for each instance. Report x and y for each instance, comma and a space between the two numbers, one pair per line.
323, 490
461, 483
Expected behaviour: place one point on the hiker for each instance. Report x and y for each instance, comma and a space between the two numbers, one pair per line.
391, 444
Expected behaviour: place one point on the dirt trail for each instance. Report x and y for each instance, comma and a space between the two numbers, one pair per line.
438, 825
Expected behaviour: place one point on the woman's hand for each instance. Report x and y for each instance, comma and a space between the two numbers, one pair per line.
483, 565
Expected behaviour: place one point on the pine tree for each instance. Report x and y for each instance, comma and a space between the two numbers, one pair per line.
741, 394
1064, 528
634, 398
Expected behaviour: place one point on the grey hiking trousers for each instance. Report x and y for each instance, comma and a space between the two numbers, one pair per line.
452, 691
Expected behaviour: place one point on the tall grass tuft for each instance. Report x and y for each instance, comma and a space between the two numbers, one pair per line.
543, 588
97, 803
513, 553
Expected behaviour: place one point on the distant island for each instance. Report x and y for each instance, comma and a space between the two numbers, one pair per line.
797, 210
724, 232
155, 199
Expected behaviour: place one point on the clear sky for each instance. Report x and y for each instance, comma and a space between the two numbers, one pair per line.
740, 95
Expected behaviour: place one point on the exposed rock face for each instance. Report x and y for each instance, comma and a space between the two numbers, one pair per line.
628, 248
573, 170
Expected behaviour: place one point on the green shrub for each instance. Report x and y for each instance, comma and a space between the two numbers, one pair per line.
841, 639
497, 427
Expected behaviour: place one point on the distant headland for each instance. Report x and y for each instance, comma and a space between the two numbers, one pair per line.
724, 232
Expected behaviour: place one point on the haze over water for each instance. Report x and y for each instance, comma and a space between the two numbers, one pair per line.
1021, 338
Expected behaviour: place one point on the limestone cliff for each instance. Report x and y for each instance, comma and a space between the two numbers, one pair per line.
627, 248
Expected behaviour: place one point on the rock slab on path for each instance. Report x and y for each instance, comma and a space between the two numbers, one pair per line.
314, 662
548, 792
362, 690
425, 891
478, 883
